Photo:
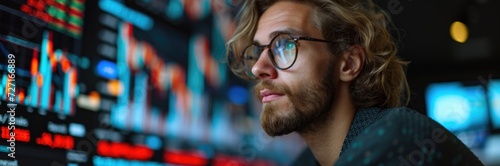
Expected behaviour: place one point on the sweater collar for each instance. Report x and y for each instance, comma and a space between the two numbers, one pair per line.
364, 118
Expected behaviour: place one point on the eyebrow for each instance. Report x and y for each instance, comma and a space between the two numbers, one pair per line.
289, 31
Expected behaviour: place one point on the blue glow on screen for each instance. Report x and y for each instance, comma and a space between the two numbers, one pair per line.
238, 95
76, 129
174, 9
153, 142
107, 69
494, 100
457, 107
121, 11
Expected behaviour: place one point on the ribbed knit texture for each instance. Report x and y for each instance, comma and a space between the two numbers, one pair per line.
397, 136
405, 137
363, 119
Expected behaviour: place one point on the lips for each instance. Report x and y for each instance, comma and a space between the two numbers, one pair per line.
268, 95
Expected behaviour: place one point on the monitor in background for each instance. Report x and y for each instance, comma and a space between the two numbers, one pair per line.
494, 101
460, 108
124, 82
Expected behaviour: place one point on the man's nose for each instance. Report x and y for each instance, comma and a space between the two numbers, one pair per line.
264, 68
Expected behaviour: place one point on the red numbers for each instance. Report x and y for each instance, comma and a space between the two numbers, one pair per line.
56, 141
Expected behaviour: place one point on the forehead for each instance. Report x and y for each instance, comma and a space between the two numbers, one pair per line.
289, 17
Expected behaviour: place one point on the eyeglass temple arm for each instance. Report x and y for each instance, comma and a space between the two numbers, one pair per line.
314, 39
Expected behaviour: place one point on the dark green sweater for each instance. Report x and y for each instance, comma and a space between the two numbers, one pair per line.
398, 136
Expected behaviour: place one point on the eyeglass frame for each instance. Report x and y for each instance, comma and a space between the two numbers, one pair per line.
270, 53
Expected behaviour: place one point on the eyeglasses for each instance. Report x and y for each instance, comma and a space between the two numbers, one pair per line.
283, 50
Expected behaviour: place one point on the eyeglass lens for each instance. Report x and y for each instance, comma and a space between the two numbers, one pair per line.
283, 51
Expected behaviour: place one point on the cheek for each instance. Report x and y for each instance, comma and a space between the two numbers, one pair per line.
309, 69
315, 73
302, 79
314, 64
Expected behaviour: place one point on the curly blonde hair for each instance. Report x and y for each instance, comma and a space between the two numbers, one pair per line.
381, 82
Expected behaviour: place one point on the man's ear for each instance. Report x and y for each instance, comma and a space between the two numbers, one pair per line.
351, 63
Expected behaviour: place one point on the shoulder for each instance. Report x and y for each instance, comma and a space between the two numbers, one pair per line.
406, 137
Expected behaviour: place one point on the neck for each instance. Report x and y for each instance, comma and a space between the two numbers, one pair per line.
326, 137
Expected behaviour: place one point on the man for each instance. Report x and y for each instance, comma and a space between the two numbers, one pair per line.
327, 69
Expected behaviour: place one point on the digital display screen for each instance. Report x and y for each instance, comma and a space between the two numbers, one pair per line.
494, 100
460, 108
122, 82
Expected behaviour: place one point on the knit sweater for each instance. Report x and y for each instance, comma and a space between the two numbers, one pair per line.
397, 136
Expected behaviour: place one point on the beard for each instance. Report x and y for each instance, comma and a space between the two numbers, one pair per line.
306, 106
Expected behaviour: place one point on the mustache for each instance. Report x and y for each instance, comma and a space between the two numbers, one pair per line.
278, 88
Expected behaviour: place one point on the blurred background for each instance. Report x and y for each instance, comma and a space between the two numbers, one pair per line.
144, 82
